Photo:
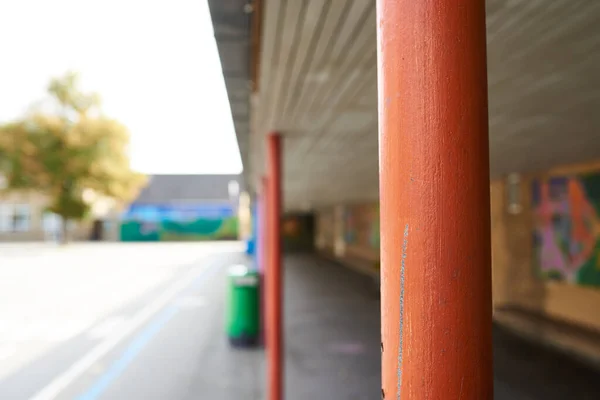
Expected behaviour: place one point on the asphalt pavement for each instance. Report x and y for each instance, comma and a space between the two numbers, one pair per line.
120, 322
147, 321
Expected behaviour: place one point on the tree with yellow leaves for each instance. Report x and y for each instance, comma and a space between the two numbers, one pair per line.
69, 152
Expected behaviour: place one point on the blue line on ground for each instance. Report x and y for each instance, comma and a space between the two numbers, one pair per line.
132, 351
138, 344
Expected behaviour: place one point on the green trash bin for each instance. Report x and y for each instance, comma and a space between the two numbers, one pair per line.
243, 318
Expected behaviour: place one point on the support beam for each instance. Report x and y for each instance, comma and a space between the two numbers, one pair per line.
261, 224
435, 206
261, 251
273, 275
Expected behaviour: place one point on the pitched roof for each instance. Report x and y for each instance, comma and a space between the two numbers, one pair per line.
168, 188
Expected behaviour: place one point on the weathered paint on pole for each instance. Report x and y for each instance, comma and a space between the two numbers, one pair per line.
435, 206
273, 275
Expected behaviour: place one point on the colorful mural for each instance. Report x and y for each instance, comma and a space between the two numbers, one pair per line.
567, 228
361, 225
142, 222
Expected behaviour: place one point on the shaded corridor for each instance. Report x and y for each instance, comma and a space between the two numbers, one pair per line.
332, 333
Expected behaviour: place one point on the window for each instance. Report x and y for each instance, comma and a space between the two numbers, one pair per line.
21, 218
5, 218
51, 222
233, 188
15, 218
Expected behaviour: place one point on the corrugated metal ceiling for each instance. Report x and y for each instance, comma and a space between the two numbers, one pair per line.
319, 89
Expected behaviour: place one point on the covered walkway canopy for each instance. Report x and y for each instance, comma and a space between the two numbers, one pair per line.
308, 70
324, 77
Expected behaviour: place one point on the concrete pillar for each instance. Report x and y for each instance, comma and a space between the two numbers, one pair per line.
435, 206
273, 277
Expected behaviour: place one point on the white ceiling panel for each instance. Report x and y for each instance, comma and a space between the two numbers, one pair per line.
319, 90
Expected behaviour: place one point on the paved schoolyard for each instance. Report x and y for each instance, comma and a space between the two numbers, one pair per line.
146, 321
58, 305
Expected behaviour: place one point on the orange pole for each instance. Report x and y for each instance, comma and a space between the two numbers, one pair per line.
273, 276
264, 258
435, 208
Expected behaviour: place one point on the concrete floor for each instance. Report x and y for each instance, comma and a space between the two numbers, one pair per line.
120, 322
147, 322
333, 339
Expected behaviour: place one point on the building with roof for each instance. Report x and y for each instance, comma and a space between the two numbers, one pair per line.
24, 218
184, 207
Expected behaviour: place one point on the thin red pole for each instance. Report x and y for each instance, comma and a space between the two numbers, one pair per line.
262, 249
263, 223
435, 207
273, 276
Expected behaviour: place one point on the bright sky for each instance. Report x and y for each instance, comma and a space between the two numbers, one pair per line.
154, 63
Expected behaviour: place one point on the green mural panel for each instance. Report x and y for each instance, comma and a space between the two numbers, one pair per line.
177, 222
133, 231
199, 229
